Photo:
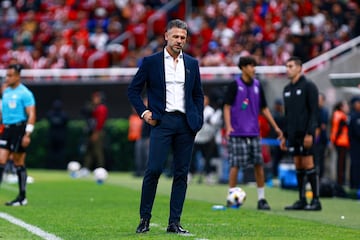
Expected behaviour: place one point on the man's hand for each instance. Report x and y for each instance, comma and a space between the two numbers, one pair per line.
279, 133
26, 140
228, 130
308, 141
148, 118
283, 144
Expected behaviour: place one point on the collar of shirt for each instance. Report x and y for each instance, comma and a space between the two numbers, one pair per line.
167, 55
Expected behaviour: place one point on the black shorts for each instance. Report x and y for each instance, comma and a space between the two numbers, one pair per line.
12, 137
295, 145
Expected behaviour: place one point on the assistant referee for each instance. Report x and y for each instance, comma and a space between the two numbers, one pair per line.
301, 112
18, 117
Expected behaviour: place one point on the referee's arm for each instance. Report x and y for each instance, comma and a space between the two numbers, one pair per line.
31, 113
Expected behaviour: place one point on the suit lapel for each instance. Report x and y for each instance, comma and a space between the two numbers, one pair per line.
187, 72
162, 68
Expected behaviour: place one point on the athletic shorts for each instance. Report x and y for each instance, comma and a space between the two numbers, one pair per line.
244, 152
296, 147
12, 137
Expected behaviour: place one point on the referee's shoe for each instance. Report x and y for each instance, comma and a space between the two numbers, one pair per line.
315, 205
18, 201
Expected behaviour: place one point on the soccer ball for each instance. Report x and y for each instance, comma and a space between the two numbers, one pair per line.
236, 197
100, 174
73, 166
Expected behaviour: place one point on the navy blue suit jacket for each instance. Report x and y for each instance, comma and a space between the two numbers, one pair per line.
151, 74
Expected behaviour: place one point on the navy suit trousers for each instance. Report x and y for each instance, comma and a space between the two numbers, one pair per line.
171, 133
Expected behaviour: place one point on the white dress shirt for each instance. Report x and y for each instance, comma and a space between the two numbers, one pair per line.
175, 82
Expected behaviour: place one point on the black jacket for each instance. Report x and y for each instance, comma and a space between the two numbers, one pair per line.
301, 108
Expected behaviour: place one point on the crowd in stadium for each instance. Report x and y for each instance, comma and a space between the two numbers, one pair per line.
118, 33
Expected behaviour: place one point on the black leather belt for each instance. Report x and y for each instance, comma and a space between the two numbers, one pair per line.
175, 113
15, 124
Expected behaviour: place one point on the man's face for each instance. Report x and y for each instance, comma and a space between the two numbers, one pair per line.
357, 106
248, 70
176, 39
12, 77
96, 99
292, 69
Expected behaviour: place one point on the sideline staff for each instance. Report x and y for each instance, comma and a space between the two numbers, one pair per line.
18, 106
301, 113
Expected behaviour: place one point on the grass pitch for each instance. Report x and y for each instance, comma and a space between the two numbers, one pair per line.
80, 209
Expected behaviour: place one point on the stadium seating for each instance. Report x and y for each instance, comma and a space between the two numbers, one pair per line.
269, 30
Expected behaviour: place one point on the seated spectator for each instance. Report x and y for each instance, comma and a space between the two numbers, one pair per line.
99, 38
214, 57
305, 28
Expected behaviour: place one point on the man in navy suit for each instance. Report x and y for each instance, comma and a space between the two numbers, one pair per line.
175, 114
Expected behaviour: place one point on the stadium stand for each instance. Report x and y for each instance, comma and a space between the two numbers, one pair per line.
114, 33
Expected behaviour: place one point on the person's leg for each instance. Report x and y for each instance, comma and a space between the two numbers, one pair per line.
22, 176
98, 152
301, 181
88, 157
259, 175
313, 178
160, 142
2, 166
257, 158
182, 152
234, 171
314, 181
19, 162
341, 165
4, 155
237, 149
260, 181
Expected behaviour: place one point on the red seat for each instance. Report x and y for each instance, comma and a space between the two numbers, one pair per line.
5, 43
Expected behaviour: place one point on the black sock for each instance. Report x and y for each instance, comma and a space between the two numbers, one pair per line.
314, 182
22, 176
1, 172
301, 178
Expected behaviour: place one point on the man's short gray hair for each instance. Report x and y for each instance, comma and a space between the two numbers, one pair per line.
176, 23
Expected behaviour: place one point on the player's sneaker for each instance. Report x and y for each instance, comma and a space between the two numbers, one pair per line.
17, 202
263, 205
298, 205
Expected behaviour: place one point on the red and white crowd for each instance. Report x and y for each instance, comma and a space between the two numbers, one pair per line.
118, 33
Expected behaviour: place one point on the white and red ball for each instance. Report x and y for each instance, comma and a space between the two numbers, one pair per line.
236, 197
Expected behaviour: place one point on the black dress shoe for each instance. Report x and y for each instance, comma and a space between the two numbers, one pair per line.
143, 226
176, 228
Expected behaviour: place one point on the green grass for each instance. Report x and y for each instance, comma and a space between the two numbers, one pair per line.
80, 209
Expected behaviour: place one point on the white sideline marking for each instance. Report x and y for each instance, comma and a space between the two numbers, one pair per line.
33, 229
